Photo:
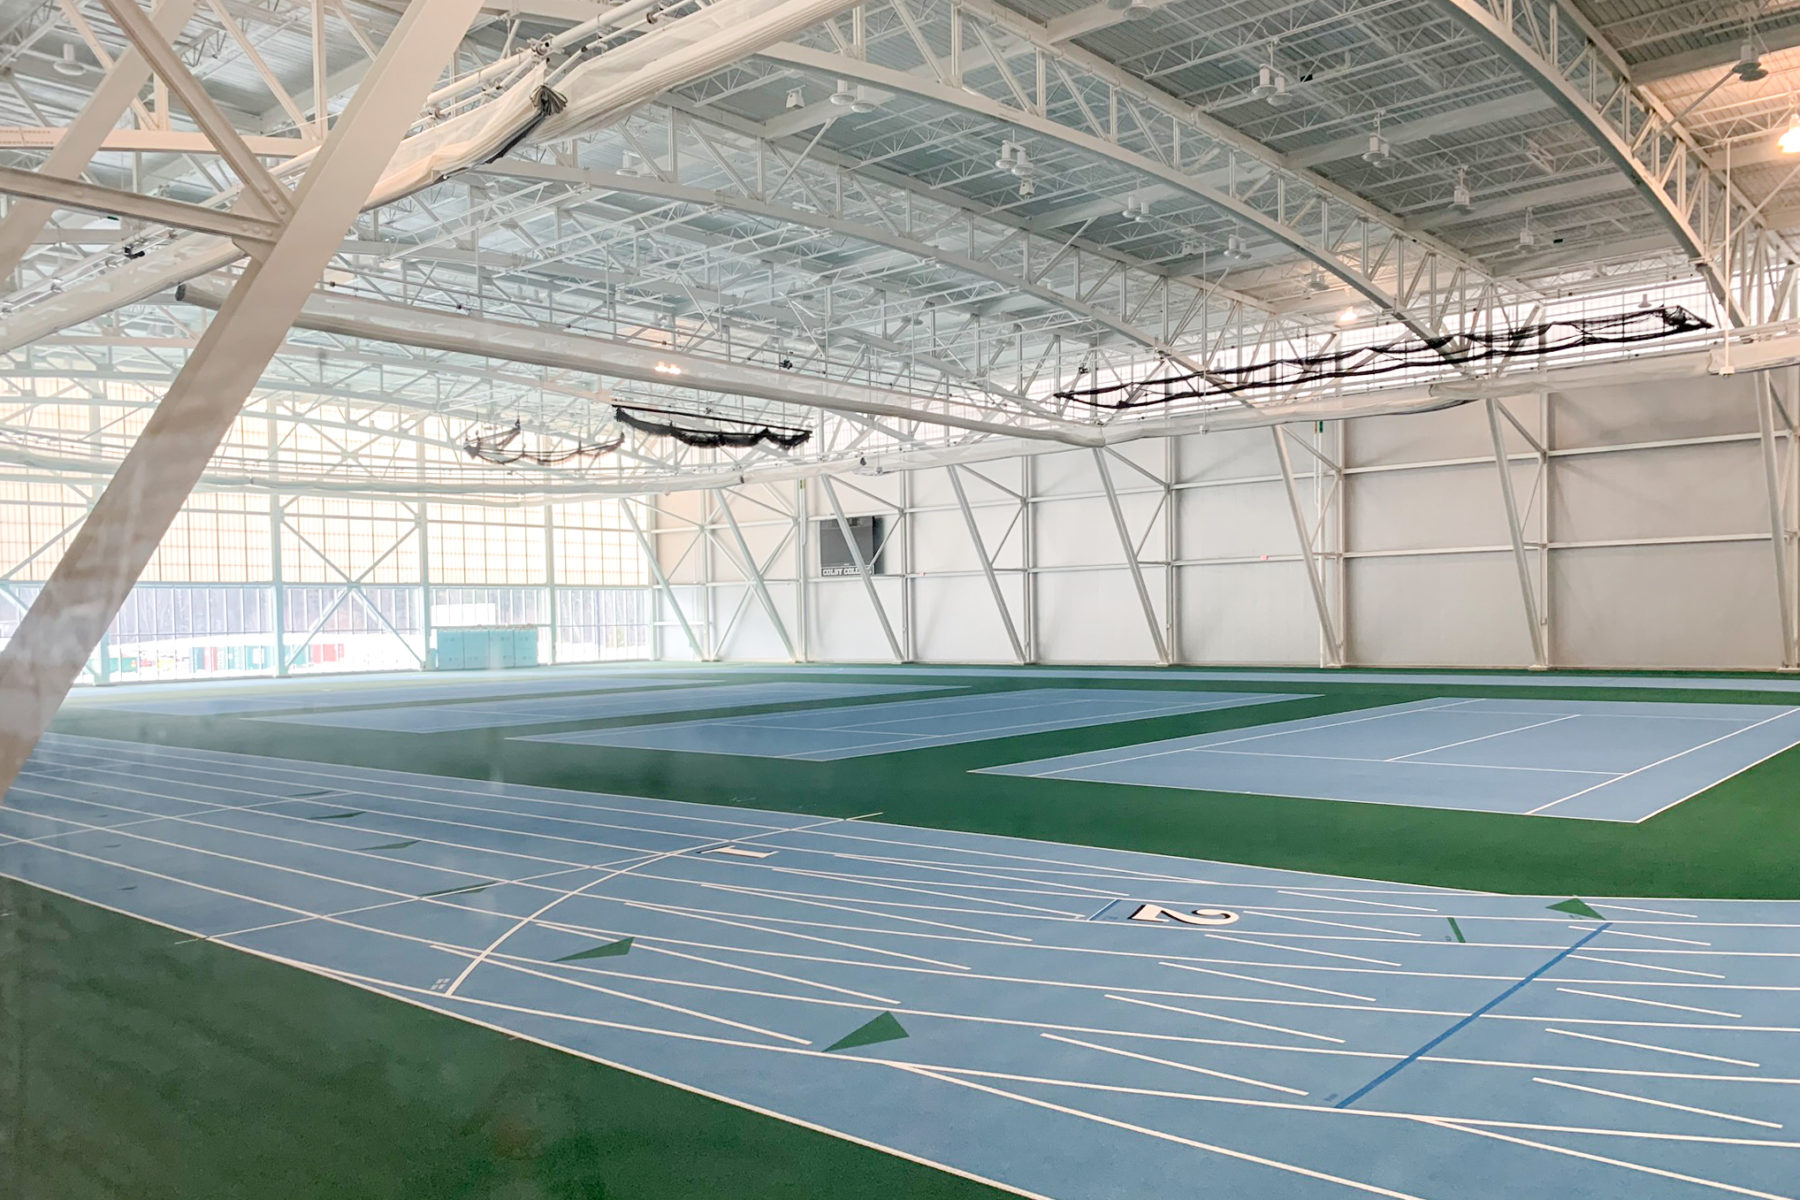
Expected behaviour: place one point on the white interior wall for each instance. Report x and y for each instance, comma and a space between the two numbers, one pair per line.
1645, 519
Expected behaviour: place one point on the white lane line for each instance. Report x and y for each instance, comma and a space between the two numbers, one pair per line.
514, 963
1179, 1066
287, 771
1659, 762
650, 947
582, 890
1226, 937
1194, 1012
849, 906
1705, 1112
1592, 1037
1267, 982
361, 795
693, 914
1466, 1127
921, 889
1284, 916
1652, 937
1322, 895
1067, 891
1711, 1012
1613, 962
1655, 912
1161, 1135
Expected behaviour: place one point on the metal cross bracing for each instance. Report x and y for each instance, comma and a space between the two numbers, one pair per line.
1231, 196
1712, 222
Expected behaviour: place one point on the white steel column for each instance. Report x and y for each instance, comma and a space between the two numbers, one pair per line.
1527, 592
862, 569
1778, 532
1129, 549
1333, 639
987, 563
85, 592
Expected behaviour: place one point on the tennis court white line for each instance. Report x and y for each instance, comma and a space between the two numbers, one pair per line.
1484, 738
1423, 707
1786, 712
1398, 762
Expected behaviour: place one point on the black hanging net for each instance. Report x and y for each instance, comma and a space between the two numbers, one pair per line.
1549, 337
744, 435
506, 447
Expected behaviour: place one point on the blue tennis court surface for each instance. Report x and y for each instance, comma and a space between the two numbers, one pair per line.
1064, 1021
1596, 760
280, 697
548, 710
821, 735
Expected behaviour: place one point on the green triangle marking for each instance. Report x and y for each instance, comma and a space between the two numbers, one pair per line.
343, 816
457, 891
882, 1029
1576, 908
392, 846
609, 950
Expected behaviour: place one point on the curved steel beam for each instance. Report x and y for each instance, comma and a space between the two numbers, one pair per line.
1371, 251
1587, 80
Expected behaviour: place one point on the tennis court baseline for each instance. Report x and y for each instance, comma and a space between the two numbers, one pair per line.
549, 710
823, 735
1589, 759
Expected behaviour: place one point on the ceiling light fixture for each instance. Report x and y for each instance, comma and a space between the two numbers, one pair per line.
1008, 152
1749, 67
1348, 317
1527, 239
1790, 137
1316, 281
845, 95
68, 65
1271, 85
1379, 153
1234, 249
1461, 198
663, 368
1022, 166
1136, 208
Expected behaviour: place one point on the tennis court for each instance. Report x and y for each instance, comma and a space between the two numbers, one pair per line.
638, 701
825, 735
1595, 760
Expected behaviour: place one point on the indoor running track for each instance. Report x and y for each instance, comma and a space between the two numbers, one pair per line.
1337, 1038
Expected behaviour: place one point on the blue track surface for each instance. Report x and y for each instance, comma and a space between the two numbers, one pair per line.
1068, 1033
549, 710
822, 735
296, 697
1590, 759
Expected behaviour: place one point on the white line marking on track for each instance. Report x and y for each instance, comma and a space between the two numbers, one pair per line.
1711, 1012
1194, 1012
1354, 900
1267, 982
1467, 1127
1226, 937
1592, 1037
1651, 937
1179, 1066
1705, 1112
1613, 962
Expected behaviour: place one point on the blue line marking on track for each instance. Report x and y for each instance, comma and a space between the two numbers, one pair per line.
1463, 1024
